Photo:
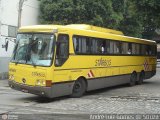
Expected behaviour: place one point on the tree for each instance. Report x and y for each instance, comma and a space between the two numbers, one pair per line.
137, 18
94, 12
131, 25
149, 12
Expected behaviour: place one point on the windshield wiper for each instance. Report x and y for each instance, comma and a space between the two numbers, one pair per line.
33, 63
16, 62
28, 57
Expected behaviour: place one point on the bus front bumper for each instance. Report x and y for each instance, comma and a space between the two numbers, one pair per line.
37, 90
49, 92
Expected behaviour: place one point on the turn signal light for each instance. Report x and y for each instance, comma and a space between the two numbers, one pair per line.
48, 83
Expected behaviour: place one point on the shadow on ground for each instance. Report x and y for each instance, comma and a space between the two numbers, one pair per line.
40, 99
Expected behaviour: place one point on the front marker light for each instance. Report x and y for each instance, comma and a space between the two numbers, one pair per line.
48, 83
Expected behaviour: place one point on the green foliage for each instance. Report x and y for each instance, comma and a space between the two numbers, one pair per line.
94, 12
149, 10
137, 18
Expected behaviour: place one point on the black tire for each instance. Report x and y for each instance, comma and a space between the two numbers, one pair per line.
79, 88
133, 79
141, 78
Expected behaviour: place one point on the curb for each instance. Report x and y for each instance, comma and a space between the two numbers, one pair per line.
3, 79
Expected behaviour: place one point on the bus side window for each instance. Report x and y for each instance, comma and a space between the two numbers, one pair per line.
143, 49
129, 48
62, 51
107, 47
153, 50
117, 47
76, 44
133, 48
111, 47
137, 49
124, 48
149, 50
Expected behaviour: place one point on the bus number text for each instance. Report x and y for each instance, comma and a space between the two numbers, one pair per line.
103, 62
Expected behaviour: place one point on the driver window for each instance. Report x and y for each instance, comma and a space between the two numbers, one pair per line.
62, 51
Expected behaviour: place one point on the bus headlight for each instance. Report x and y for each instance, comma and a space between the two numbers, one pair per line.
47, 83
41, 82
38, 82
11, 77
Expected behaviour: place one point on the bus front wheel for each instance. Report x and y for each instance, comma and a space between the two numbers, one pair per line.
79, 88
133, 79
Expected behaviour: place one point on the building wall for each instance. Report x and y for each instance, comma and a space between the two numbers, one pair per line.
30, 13
8, 26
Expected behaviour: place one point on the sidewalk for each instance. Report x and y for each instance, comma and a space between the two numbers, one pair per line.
3, 75
4, 84
4, 79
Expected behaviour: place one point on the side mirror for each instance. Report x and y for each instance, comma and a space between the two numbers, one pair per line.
14, 40
6, 44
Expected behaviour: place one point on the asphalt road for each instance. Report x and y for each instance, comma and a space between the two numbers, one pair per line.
140, 99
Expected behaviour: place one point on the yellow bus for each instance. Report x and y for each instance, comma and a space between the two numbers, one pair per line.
58, 60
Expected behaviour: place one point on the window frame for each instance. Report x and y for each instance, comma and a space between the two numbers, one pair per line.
57, 43
111, 41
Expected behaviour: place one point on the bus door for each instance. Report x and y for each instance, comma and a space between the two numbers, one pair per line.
62, 55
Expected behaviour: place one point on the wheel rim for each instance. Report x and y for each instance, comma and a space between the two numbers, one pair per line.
77, 87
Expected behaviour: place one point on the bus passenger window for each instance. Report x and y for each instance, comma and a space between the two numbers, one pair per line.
107, 46
111, 47
129, 48
153, 50
88, 46
94, 45
149, 52
117, 47
100, 46
120, 47
133, 48
137, 49
143, 49
124, 48
103, 47
82, 45
129, 51
76, 44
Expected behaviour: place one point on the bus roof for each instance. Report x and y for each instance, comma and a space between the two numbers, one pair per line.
46, 28
83, 27
94, 28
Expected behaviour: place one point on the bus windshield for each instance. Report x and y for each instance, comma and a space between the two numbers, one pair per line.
34, 49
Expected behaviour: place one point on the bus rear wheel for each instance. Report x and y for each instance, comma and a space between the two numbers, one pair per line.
141, 78
133, 79
79, 88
